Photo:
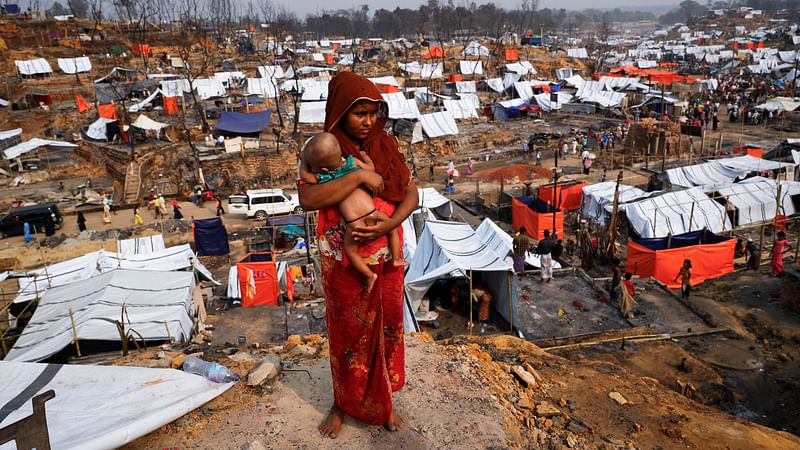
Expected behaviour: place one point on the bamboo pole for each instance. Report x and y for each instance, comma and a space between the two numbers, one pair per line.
74, 331
470, 302
169, 334
511, 302
761, 246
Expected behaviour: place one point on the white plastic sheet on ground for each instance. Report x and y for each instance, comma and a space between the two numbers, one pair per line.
312, 112
33, 144
400, 107
597, 196
75, 65
671, 212
36, 66
159, 306
438, 124
102, 407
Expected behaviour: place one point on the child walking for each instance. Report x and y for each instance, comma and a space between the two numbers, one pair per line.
685, 274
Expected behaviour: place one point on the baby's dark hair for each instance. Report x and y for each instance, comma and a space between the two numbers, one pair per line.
687, 262
628, 275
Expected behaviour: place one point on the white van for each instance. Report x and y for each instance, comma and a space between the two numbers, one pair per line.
260, 203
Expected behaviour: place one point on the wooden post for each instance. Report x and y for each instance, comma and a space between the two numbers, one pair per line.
669, 240
612, 225
470, 303
691, 217
511, 301
74, 331
169, 335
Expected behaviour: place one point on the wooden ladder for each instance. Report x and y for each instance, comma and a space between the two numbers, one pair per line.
133, 184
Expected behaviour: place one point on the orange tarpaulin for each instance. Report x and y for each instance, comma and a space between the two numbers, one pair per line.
258, 279
708, 261
142, 49
453, 77
435, 52
170, 105
328, 58
82, 104
568, 195
387, 88
535, 223
512, 54
751, 150
107, 111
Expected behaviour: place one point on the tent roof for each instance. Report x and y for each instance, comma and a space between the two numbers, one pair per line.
400, 107
720, 171
151, 297
10, 134
99, 407
670, 212
312, 112
245, 123
33, 144
75, 65
145, 123
33, 66
438, 124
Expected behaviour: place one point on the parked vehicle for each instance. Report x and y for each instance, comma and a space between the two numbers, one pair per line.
36, 215
261, 203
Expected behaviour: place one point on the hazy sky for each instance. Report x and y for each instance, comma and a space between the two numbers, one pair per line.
304, 7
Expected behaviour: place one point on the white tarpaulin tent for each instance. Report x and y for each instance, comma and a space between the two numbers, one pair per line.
471, 67
33, 144
452, 250
502, 243
175, 88
779, 104
461, 109
597, 196
141, 246
543, 100
671, 212
36, 66
5, 135
145, 123
209, 87
521, 68
432, 71
101, 407
312, 112
474, 48
431, 199
412, 67
754, 199
179, 257
401, 107
270, 71
313, 90
577, 53
97, 129
75, 65
438, 124
720, 172
151, 299
496, 84
138, 107
267, 87
389, 80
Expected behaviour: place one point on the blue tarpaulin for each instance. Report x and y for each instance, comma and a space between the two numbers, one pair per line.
682, 240
12, 8
210, 237
244, 123
291, 219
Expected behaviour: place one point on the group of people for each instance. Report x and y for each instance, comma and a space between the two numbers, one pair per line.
548, 249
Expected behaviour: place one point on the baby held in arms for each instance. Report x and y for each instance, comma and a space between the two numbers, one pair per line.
322, 155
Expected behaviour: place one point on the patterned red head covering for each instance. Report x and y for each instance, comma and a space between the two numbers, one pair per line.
344, 90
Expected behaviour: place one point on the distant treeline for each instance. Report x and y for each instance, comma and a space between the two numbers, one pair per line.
690, 9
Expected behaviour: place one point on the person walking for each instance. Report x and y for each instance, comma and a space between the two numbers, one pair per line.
137, 219
685, 274
469, 165
176, 210
521, 245
81, 221
779, 247
365, 330
157, 208
220, 210
754, 255
544, 249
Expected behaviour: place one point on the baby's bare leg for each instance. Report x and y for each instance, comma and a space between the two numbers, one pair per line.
351, 250
396, 246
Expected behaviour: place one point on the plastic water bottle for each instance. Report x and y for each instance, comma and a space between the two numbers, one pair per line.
211, 370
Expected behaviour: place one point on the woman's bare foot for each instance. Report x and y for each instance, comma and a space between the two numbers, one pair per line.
395, 422
371, 279
332, 424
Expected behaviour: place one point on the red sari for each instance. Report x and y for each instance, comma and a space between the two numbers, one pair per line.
365, 332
